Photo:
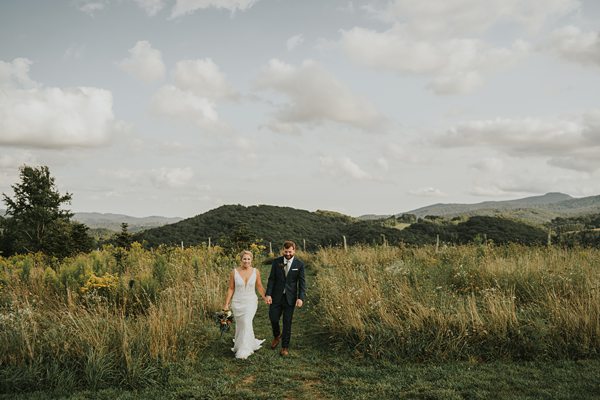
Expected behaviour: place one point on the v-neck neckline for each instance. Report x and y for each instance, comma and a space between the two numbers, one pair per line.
245, 282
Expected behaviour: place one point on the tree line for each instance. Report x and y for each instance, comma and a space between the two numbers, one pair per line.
582, 230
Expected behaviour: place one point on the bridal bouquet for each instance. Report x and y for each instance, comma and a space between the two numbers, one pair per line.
224, 318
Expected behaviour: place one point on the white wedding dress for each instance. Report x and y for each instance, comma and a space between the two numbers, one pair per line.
244, 304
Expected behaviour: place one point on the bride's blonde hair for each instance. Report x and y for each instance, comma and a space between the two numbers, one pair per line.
246, 252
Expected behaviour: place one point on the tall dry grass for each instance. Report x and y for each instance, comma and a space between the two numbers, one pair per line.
467, 302
107, 318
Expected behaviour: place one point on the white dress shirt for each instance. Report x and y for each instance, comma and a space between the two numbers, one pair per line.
288, 264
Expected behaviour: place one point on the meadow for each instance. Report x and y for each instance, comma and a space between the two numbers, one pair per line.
475, 321
110, 317
469, 302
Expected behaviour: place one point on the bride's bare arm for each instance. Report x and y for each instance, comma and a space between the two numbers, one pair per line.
230, 290
259, 285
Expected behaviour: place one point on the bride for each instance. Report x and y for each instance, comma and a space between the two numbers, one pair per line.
241, 295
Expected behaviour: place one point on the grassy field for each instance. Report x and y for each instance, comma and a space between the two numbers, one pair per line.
462, 303
316, 370
324, 363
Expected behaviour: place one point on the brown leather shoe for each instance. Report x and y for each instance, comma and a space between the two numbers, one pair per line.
284, 352
275, 342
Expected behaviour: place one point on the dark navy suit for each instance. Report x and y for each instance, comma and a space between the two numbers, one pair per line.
294, 286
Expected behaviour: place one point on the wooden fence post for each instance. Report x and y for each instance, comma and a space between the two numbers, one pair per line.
345, 244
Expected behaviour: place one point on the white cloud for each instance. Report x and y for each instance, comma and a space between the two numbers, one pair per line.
489, 165
462, 17
456, 65
173, 102
344, 167
404, 153
316, 96
173, 147
152, 7
583, 161
572, 44
144, 62
527, 136
571, 143
496, 178
383, 163
199, 84
247, 149
590, 122
12, 162
204, 79
56, 118
427, 192
443, 39
34, 116
172, 177
294, 42
15, 74
132, 177
348, 8
183, 7
74, 52
487, 190
91, 7
521, 181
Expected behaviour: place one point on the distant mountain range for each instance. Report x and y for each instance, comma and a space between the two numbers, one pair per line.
537, 209
113, 221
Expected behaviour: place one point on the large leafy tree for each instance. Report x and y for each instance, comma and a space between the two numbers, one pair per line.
36, 221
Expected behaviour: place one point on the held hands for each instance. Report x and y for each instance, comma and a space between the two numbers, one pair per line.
269, 300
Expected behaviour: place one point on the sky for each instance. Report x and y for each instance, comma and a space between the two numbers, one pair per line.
176, 107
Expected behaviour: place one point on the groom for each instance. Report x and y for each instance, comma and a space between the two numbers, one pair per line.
285, 291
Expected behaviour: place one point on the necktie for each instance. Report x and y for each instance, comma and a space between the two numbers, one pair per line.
287, 267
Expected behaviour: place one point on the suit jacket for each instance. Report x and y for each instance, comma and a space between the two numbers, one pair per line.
294, 284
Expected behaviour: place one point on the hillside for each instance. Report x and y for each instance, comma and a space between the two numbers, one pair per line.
325, 228
271, 224
536, 209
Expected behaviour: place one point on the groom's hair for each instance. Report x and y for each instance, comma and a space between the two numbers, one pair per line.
288, 243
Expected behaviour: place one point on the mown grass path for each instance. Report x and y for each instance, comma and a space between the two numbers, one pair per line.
315, 370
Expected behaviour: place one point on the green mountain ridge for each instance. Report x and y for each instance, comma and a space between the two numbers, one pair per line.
536, 209
235, 226
265, 222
